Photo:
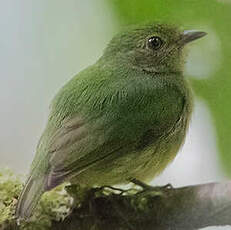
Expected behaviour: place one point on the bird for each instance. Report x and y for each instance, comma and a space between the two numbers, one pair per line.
123, 118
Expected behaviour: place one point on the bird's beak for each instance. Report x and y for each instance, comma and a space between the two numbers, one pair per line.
191, 35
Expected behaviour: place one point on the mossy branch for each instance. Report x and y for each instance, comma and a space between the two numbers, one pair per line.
191, 207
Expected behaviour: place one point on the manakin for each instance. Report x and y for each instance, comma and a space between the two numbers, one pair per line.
123, 118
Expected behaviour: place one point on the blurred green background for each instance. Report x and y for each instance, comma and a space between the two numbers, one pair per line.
44, 43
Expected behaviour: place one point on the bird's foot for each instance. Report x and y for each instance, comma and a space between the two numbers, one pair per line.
106, 190
141, 184
158, 189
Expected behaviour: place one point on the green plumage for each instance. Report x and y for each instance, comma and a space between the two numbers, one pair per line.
123, 117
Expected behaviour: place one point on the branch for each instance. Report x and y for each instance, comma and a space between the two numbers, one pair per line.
191, 207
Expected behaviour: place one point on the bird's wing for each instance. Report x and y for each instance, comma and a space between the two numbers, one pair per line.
73, 149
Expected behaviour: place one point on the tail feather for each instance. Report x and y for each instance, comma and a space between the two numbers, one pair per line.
30, 196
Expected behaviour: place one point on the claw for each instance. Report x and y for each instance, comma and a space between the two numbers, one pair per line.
167, 186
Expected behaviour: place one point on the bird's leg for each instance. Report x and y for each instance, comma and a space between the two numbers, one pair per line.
146, 187
141, 184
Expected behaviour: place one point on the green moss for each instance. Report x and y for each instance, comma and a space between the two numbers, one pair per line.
10, 187
54, 205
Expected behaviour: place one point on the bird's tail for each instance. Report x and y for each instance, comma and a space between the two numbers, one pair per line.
29, 197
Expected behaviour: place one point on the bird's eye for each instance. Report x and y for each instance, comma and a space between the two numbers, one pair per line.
154, 42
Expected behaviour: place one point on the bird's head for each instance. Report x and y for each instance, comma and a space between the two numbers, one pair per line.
153, 48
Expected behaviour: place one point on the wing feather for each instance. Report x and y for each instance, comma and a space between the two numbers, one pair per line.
74, 149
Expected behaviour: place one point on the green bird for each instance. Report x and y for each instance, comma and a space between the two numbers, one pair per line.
123, 118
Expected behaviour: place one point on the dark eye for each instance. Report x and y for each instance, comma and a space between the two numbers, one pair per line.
154, 42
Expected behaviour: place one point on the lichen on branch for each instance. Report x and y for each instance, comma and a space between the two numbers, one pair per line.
53, 206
